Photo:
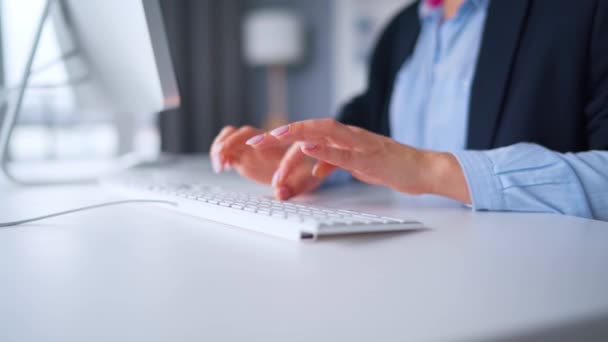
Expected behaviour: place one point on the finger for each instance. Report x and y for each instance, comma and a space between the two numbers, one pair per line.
322, 169
292, 159
217, 144
328, 130
298, 182
306, 184
346, 159
224, 133
356, 129
231, 146
235, 142
293, 176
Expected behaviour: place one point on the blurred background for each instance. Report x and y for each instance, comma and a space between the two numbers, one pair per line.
257, 62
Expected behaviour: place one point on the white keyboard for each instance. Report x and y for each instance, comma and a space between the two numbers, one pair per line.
279, 218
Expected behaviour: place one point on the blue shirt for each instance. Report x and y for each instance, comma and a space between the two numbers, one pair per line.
429, 109
430, 103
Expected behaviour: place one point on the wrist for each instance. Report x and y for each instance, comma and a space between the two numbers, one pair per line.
444, 176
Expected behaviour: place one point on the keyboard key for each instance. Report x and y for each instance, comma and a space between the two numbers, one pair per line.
278, 214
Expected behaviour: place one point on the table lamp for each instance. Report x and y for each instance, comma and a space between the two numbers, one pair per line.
274, 39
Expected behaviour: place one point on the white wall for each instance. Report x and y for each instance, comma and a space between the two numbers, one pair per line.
50, 125
19, 23
357, 24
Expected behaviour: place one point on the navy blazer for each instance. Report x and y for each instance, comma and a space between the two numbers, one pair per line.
541, 76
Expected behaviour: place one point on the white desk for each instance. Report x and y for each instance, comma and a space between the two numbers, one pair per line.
143, 273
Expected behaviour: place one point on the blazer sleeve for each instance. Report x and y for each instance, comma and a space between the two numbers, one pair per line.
596, 109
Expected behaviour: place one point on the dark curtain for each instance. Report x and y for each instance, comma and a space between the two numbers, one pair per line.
1, 51
205, 41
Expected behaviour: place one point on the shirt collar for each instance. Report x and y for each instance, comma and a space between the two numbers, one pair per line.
431, 8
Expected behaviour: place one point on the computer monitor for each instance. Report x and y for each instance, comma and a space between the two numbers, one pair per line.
116, 55
122, 46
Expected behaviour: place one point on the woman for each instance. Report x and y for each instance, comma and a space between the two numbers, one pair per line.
502, 105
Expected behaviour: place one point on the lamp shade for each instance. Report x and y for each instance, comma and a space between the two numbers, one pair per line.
273, 37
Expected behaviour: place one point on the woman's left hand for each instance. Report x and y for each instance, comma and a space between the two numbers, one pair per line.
373, 158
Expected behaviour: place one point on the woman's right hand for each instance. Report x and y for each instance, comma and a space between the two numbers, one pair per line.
283, 166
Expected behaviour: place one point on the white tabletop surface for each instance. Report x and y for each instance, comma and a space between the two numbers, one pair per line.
145, 273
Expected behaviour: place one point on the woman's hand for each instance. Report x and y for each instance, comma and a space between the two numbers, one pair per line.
370, 157
229, 150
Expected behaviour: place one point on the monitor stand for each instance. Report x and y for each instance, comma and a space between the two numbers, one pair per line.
9, 114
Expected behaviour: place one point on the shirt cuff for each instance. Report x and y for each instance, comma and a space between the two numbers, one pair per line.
484, 185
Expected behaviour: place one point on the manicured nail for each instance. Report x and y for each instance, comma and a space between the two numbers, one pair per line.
216, 165
222, 162
277, 132
255, 140
276, 178
308, 146
284, 193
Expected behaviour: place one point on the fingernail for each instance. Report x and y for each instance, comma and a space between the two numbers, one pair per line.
215, 163
284, 193
277, 132
255, 140
221, 163
218, 148
228, 166
308, 146
276, 178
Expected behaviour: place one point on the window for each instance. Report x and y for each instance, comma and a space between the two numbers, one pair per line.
50, 125
358, 23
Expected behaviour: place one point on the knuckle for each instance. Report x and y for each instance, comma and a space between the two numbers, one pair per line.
345, 157
239, 133
290, 161
248, 131
293, 149
231, 140
294, 127
331, 122
225, 132
287, 163
356, 129
294, 152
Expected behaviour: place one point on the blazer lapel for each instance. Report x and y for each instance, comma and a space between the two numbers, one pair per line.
503, 29
407, 33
